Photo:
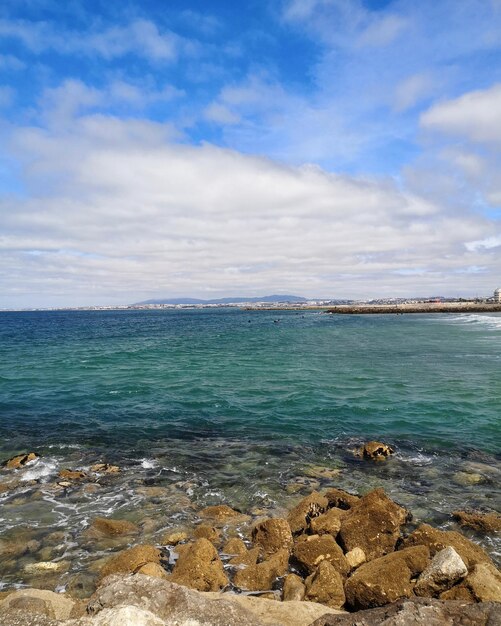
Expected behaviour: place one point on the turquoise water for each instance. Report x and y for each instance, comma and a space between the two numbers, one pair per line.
252, 408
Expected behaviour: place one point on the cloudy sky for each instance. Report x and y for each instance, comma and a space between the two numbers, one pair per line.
206, 148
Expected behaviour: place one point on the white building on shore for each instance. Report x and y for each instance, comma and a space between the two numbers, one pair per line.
497, 295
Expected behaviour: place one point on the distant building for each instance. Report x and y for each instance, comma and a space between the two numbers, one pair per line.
497, 295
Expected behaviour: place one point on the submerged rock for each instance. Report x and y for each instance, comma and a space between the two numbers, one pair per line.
105, 468
106, 527
19, 461
220, 512
481, 522
445, 570
376, 451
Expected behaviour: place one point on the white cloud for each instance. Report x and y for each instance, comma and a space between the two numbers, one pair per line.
383, 31
410, 91
475, 116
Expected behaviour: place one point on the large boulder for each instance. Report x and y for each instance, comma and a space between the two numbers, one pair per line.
38, 602
420, 612
340, 498
445, 570
484, 583
386, 579
437, 540
273, 535
373, 524
310, 550
481, 522
19, 461
325, 585
262, 576
200, 567
310, 507
131, 560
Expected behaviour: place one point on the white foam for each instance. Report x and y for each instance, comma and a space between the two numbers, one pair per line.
148, 463
491, 321
40, 468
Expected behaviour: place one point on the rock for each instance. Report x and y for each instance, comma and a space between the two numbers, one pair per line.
67, 474
273, 535
485, 583
172, 538
302, 483
459, 592
203, 531
437, 540
261, 576
131, 560
310, 550
325, 585
47, 567
200, 567
249, 557
105, 527
481, 522
466, 479
125, 616
355, 557
376, 451
291, 613
420, 612
340, 498
153, 569
234, 546
81, 585
105, 468
312, 506
319, 471
294, 589
56, 605
220, 512
19, 461
18, 546
373, 524
445, 570
385, 579
327, 523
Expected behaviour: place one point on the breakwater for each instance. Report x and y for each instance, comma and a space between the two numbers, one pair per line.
420, 307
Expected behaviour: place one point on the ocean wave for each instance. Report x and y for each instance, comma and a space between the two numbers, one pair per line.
39, 469
492, 321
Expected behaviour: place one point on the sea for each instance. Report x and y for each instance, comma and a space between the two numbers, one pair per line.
250, 408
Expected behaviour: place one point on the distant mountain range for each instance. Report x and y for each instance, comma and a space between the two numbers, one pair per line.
233, 300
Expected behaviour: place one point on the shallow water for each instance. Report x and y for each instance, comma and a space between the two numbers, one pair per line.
203, 407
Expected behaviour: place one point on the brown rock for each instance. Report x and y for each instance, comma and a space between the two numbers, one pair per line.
273, 535
260, 577
355, 557
39, 602
485, 583
294, 589
249, 557
105, 468
19, 461
310, 550
104, 527
325, 585
373, 524
312, 506
67, 474
203, 531
153, 569
200, 567
328, 523
481, 522
220, 512
385, 579
376, 451
459, 592
131, 560
340, 498
437, 540
234, 546
172, 538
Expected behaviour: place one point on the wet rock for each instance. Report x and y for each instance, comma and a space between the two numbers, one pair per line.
310, 550
48, 567
153, 569
437, 540
302, 484
385, 579
420, 612
485, 583
355, 557
310, 507
19, 461
220, 512
106, 527
373, 524
260, 577
445, 570
174, 537
81, 585
56, 605
131, 560
328, 523
294, 588
18, 545
319, 471
325, 585
200, 567
340, 499
466, 479
5, 487
234, 546
67, 474
376, 451
203, 531
481, 522
105, 468
273, 535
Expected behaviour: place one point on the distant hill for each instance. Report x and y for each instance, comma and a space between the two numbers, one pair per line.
232, 300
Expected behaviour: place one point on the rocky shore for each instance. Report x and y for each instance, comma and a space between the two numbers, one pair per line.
333, 554
421, 307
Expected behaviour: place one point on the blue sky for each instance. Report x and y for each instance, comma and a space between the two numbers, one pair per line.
331, 148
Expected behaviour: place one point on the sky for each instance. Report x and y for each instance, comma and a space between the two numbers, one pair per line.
211, 148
